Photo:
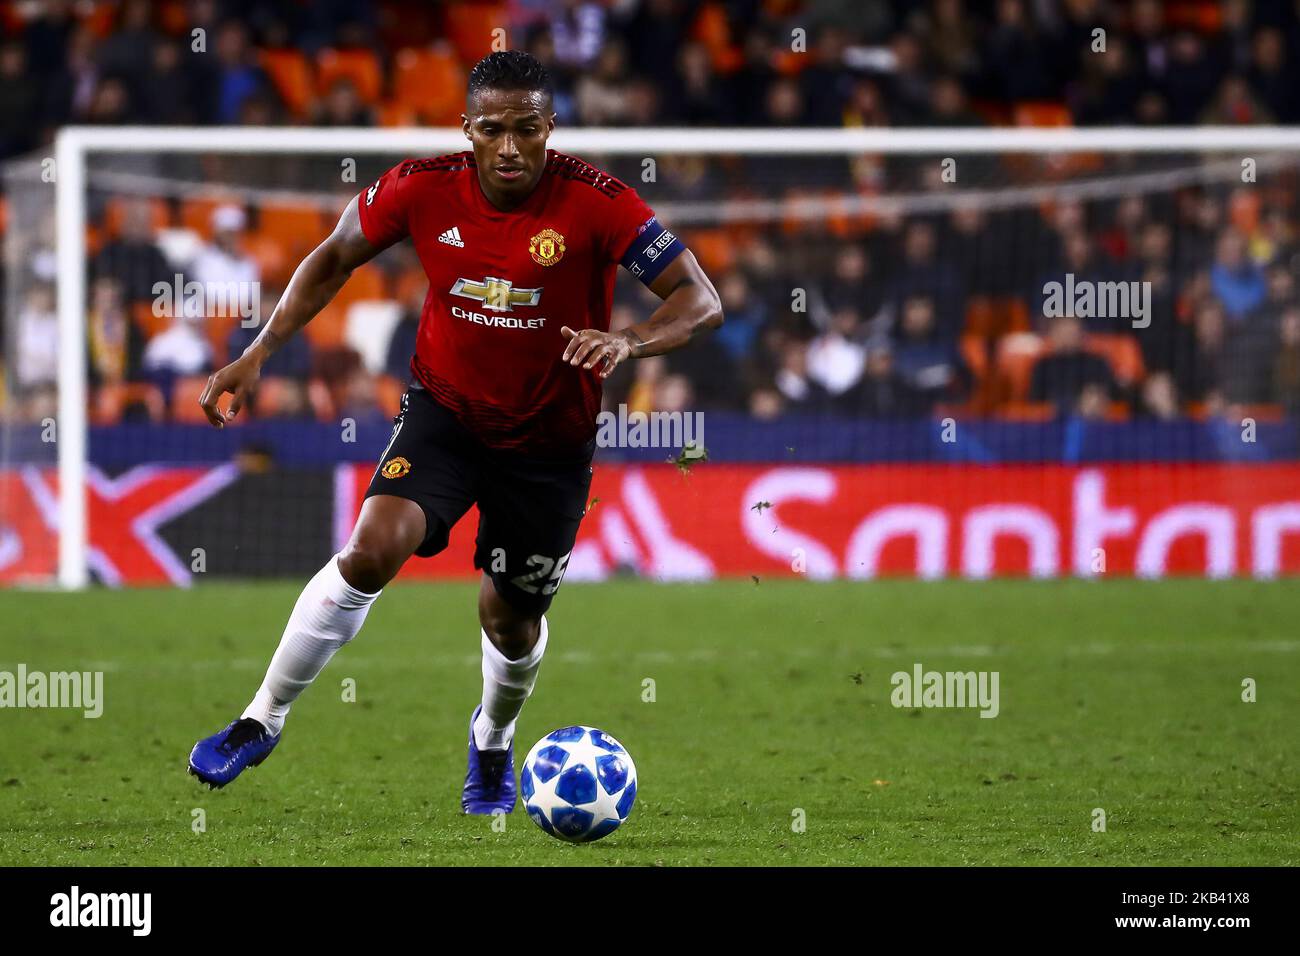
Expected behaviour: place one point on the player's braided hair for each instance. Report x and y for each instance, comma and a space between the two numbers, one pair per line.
509, 70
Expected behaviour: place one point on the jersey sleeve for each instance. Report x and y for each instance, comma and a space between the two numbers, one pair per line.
637, 241
383, 208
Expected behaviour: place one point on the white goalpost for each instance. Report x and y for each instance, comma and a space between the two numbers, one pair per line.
76, 148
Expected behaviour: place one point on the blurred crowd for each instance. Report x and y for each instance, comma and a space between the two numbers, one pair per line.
885, 316
649, 62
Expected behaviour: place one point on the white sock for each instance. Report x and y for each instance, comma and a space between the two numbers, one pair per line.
506, 685
328, 614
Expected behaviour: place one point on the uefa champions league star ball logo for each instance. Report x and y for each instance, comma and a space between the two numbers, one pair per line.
547, 247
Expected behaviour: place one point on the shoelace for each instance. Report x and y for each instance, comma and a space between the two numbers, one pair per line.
494, 766
243, 732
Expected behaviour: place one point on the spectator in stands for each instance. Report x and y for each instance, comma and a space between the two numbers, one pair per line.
1017, 57
132, 257
578, 32
836, 358
179, 351
824, 84
37, 341
800, 392
1235, 105
1159, 397
882, 392
602, 94
221, 264
70, 89
171, 94
922, 272
698, 97
238, 76
1077, 382
1286, 367
1271, 76
746, 315
125, 51
293, 359
20, 102
929, 364
401, 344
342, 106
116, 343
1237, 281
1199, 371
1189, 78
948, 105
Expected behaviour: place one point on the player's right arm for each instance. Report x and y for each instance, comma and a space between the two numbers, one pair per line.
315, 282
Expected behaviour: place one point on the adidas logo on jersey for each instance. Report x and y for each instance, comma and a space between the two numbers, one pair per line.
452, 237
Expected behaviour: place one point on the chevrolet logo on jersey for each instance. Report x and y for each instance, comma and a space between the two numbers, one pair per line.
496, 294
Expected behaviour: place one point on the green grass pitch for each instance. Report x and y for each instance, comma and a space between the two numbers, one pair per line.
769, 698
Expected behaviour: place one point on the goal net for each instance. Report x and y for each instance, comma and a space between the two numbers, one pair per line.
947, 353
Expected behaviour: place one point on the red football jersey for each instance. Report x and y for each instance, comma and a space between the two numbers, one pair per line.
501, 284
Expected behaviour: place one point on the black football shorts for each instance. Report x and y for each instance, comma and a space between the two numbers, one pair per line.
529, 508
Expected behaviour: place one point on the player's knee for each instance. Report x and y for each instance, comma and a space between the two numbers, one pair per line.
513, 633
367, 565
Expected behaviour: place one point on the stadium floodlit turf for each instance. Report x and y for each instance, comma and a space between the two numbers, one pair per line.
769, 698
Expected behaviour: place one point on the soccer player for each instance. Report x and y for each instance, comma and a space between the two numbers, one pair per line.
521, 245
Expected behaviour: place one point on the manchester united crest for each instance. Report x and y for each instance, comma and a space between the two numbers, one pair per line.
395, 467
547, 247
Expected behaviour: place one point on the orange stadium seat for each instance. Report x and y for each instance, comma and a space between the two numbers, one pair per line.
142, 314
273, 262
297, 229
712, 29
1036, 113
291, 75
276, 395
714, 249
196, 213
1263, 412
470, 28
1027, 411
217, 329
185, 399
112, 400
327, 329
393, 113
359, 66
431, 83
975, 353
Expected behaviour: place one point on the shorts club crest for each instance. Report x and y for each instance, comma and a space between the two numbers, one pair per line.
395, 467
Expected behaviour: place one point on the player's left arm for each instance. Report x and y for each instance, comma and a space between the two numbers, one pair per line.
690, 305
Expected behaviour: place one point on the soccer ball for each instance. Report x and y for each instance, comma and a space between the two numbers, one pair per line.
578, 784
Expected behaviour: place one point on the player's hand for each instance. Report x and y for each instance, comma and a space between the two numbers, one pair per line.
239, 378
592, 348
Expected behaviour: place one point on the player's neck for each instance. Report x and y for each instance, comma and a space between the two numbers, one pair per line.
506, 203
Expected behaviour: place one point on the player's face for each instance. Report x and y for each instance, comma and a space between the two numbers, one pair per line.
509, 129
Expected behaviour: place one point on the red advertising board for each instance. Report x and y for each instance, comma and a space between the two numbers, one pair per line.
854, 521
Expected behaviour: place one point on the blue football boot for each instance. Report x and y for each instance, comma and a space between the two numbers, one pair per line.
219, 759
490, 780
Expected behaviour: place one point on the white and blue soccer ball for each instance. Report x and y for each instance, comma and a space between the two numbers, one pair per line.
578, 784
